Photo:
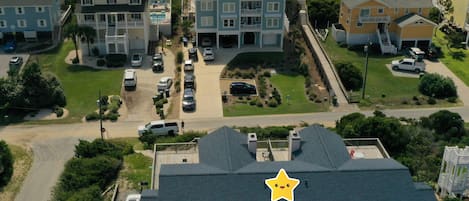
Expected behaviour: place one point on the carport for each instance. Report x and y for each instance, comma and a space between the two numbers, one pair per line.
211, 36
228, 40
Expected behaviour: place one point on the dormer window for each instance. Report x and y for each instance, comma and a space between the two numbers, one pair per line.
87, 2
134, 2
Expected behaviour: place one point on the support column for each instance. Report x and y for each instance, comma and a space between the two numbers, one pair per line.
239, 40
217, 40
467, 39
260, 39
281, 40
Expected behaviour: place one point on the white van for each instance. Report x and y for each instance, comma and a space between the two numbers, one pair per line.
188, 65
130, 79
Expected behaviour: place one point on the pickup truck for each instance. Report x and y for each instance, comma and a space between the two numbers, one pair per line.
159, 128
408, 64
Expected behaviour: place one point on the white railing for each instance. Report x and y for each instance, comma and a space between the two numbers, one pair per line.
249, 11
374, 19
385, 43
250, 26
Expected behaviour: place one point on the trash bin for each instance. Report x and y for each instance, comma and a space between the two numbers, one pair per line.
194, 43
166, 93
184, 41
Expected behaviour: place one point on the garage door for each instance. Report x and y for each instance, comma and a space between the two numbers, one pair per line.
137, 44
270, 39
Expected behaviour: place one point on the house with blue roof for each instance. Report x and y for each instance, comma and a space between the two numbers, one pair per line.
241, 23
29, 19
229, 166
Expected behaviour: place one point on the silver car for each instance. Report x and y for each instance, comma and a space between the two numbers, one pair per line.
165, 83
188, 100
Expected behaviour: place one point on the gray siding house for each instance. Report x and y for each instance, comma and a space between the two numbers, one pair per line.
29, 19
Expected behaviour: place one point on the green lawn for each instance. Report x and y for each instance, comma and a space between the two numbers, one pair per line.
137, 168
380, 80
81, 84
457, 60
292, 85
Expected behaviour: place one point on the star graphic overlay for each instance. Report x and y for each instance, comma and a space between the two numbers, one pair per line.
282, 186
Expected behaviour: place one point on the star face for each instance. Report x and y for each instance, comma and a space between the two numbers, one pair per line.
282, 186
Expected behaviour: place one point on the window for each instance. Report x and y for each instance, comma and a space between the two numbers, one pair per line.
120, 17
87, 2
272, 22
207, 21
206, 5
1, 11
19, 10
41, 23
3, 24
111, 1
273, 7
89, 18
136, 16
364, 12
420, 11
135, 2
39, 9
359, 24
21, 23
228, 23
228, 7
380, 10
102, 17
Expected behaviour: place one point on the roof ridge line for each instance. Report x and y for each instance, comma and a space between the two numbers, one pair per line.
228, 150
326, 151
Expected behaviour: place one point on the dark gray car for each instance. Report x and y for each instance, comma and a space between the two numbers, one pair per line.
189, 81
188, 100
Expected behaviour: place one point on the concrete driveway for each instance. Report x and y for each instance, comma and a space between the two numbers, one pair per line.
208, 93
4, 62
139, 102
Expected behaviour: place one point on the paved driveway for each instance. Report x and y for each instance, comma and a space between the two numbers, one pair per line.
139, 102
4, 60
208, 93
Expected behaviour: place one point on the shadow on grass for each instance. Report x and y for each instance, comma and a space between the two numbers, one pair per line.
80, 68
458, 55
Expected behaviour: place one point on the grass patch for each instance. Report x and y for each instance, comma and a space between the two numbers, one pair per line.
256, 58
287, 84
23, 161
137, 168
81, 83
455, 59
136, 144
380, 80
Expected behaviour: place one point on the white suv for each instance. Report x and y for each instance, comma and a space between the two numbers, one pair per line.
130, 79
188, 65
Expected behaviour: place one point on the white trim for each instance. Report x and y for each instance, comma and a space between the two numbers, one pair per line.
206, 5
206, 21
271, 6
18, 8
18, 23
2, 11
272, 22
229, 7
232, 23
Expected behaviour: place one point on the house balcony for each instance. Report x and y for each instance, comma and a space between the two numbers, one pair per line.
251, 11
250, 27
131, 24
374, 19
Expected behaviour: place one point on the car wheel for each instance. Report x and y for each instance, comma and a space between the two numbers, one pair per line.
395, 68
171, 133
417, 70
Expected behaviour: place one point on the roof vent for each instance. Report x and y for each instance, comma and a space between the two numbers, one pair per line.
294, 140
252, 143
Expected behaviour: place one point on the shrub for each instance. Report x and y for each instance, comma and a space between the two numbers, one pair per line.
437, 86
259, 103
276, 96
302, 69
431, 101
98, 147
116, 99
159, 104
116, 60
112, 116
75, 60
266, 74
100, 62
350, 76
261, 87
104, 100
253, 101
179, 57
95, 51
92, 116
58, 111
273, 103
6, 163
452, 99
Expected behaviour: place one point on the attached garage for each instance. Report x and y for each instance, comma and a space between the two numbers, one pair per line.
423, 44
270, 39
137, 44
407, 43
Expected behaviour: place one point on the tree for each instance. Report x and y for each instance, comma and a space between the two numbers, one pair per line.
6, 164
98, 147
323, 12
92, 193
437, 86
447, 124
87, 34
350, 75
435, 15
346, 125
72, 31
186, 27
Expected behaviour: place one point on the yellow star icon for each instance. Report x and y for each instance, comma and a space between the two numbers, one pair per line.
282, 186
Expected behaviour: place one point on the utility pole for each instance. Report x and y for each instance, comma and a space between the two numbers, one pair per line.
366, 49
101, 129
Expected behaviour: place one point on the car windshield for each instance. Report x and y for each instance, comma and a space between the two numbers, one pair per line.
136, 57
400, 61
162, 81
147, 125
189, 98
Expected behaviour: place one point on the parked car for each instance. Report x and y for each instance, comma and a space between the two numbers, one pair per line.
188, 65
416, 53
242, 88
188, 100
193, 54
159, 128
189, 81
130, 79
206, 42
133, 197
408, 64
164, 83
10, 46
208, 53
136, 60
16, 61
158, 63
433, 53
